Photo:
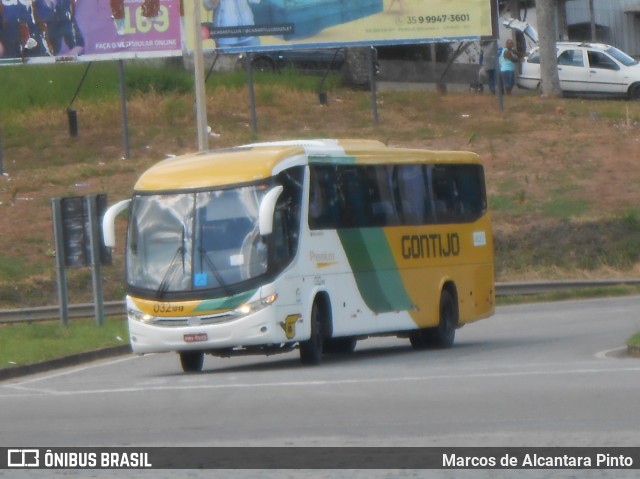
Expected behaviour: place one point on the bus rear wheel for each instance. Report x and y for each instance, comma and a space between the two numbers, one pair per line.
311, 350
443, 335
192, 361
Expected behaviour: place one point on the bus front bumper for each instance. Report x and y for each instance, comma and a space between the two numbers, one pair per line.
257, 329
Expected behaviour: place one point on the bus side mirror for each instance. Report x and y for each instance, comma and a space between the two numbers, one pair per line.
267, 208
108, 222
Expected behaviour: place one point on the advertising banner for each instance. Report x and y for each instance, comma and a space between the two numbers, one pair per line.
252, 25
41, 31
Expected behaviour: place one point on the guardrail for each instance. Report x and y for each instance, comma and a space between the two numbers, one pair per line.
114, 308
48, 313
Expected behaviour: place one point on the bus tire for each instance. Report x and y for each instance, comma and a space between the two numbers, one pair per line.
340, 345
311, 349
443, 335
192, 361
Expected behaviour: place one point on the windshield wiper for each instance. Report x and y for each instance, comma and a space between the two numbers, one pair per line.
171, 272
214, 270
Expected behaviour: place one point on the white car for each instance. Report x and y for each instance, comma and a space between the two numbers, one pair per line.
587, 69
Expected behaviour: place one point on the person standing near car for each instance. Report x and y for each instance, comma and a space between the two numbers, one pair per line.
509, 59
488, 57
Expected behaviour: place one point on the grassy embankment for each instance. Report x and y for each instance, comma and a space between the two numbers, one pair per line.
562, 175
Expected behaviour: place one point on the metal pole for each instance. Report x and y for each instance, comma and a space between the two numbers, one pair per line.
374, 90
61, 275
84, 77
592, 21
72, 115
123, 108
252, 94
94, 248
198, 73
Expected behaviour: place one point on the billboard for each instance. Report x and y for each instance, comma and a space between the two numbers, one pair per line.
41, 31
253, 25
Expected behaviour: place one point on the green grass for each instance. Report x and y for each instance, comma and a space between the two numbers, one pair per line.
12, 268
561, 207
55, 85
31, 343
634, 340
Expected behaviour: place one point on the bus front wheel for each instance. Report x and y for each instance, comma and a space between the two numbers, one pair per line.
311, 350
443, 335
192, 361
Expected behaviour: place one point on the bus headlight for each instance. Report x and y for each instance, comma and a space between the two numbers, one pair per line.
140, 316
249, 308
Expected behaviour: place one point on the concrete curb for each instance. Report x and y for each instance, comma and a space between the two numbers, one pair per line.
67, 361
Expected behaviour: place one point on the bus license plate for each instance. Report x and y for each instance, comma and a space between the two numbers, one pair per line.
195, 338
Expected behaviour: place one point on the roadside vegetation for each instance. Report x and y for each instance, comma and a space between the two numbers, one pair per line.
31, 343
563, 175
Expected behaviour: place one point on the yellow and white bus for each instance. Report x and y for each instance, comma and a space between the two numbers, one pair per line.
309, 244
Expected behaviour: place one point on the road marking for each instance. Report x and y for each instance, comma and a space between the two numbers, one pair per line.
78, 369
135, 389
605, 354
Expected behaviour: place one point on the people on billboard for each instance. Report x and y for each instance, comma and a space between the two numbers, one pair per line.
232, 13
57, 21
20, 37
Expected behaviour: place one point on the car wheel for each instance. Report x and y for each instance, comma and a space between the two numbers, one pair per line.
539, 89
634, 91
263, 65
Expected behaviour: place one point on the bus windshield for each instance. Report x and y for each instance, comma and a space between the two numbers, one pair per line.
197, 240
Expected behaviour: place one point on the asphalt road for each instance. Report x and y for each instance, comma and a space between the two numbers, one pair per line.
532, 375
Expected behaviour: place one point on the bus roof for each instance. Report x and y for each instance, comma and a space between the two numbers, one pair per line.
258, 161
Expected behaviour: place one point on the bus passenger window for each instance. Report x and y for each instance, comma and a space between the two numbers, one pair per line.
412, 194
353, 198
323, 206
381, 198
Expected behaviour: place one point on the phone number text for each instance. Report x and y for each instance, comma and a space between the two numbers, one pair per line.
417, 19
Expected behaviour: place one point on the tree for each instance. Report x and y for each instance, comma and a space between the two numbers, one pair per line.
547, 19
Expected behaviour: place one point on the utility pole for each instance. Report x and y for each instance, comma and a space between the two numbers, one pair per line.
592, 19
198, 73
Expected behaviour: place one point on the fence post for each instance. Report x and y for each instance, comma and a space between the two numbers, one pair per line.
61, 275
94, 248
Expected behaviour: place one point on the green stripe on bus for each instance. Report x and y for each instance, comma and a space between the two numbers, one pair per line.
226, 303
374, 269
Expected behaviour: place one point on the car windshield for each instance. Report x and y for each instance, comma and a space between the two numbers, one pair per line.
622, 57
197, 240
